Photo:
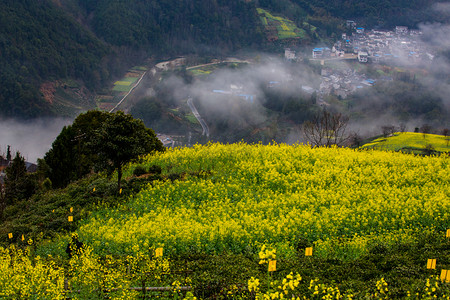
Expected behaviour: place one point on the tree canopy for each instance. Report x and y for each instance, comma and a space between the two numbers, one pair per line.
121, 138
98, 141
18, 184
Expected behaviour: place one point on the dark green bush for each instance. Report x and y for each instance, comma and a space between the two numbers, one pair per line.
139, 171
154, 169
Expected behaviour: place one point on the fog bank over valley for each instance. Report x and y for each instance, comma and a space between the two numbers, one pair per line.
31, 138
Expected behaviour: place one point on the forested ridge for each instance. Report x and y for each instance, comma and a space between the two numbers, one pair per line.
93, 41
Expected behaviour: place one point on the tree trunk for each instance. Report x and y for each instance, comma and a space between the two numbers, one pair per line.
119, 178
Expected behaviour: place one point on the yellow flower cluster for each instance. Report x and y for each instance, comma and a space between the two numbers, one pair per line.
253, 284
283, 291
87, 276
25, 277
266, 255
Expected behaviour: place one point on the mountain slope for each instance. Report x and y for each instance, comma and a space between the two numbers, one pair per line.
38, 43
173, 26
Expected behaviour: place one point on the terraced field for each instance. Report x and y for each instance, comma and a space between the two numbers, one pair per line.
279, 27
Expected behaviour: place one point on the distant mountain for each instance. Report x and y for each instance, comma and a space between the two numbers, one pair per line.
78, 46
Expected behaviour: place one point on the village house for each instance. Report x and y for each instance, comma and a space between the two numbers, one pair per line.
401, 30
289, 54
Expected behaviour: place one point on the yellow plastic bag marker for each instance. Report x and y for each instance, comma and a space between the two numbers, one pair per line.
70, 218
431, 263
308, 251
444, 275
23, 238
120, 191
93, 189
159, 252
272, 265
53, 210
10, 235
71, 209
448, 233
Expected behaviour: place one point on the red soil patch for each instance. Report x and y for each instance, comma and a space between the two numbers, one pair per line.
48, 90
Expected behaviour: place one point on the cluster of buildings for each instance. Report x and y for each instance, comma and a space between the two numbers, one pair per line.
378, 46
343, 82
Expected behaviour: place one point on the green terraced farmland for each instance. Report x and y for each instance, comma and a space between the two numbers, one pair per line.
284, 28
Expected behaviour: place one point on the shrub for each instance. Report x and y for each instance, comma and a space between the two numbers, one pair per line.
139, 171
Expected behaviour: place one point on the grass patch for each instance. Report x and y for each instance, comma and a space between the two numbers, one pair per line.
121, 88
125, 83
139, 68
191, 118
200, 72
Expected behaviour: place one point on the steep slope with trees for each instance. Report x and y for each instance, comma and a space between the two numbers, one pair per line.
169, 27
40, 42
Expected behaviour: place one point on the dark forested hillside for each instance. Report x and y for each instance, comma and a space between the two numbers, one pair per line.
374, 13
172, 26
39, 42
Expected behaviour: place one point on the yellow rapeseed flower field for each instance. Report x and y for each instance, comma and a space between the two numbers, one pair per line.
236, 197
239, 198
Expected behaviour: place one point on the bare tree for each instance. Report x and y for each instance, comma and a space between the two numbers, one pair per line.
388, 130
327, 129
425, 129
355, 140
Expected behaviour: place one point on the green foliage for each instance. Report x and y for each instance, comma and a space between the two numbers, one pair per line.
385, 14
18, 184
121, 138
70, 158
148, 110
98, 140
139, 170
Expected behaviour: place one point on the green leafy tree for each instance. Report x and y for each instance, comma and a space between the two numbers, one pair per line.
120, 139
18, 184
70, 158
